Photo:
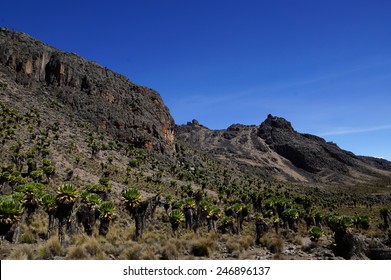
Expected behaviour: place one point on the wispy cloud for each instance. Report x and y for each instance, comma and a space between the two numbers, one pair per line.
344, 131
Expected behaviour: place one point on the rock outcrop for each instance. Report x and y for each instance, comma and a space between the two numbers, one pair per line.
131, 113
308, 152
278, 150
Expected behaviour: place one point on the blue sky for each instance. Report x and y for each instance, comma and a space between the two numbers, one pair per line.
324, 65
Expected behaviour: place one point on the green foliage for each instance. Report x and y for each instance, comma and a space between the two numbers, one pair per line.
48, 201
315, 233
96, 188
290, 214
66, 194
189, 203
227, 222
106, 210
132, 197
36, 174
215, 213
361, 220
90, 199
32, 188
10, 210
49, 170
176, 216
339, 223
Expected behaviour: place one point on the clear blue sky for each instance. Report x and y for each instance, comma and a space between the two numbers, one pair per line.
325, 65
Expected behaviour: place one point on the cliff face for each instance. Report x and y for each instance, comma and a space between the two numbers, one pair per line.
279, 151
111, 102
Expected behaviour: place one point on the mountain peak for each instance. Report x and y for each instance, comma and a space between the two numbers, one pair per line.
277, 122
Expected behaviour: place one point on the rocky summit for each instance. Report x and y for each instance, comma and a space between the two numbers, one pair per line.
275, 148
131, 113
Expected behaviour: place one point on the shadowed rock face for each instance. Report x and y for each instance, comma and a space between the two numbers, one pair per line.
307, 152
129, 112
278, 150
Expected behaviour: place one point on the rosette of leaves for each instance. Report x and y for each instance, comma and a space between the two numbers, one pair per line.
214, 213
48, 201
91, 199
36, 174
227, 224
361, 221
132, 197
105, 181
66, 194
189, 203
19, 197
32, 189
10, 212
176, 216
315, 233
340, 223
106, 214
32, 192
177, 204
95, 188
106, 210
291, 216
49, 170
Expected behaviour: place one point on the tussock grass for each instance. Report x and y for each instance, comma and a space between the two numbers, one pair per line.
273, 242
76, 253
169, 251
50, 249
202, 247
23, 252
133, 251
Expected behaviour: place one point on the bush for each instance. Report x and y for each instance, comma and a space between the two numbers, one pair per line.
315, 233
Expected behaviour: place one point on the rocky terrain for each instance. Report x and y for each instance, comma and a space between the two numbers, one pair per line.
87, 91
275, 147
92, 166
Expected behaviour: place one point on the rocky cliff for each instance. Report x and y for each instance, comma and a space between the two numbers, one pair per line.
131, 113
279, 151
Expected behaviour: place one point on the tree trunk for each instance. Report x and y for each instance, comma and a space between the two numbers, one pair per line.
104, 227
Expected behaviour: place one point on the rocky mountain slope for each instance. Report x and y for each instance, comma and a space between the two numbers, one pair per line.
82, 134
279, 150
85, 90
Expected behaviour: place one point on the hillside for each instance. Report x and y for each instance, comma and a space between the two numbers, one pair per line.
92, 166
85, 90
283, 153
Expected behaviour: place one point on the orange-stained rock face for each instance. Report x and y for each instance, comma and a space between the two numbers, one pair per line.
108, 100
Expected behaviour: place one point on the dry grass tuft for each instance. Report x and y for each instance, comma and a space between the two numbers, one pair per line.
169, 251
51, 249
76, 253
202, 247
132, 252
24, 252
273, 242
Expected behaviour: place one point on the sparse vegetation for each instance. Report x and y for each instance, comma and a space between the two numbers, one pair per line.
128, 197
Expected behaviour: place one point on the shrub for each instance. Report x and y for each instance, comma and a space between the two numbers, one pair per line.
315, 233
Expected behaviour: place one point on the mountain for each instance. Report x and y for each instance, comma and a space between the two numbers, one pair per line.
64, 84
85, 90
85, 146
280, 151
